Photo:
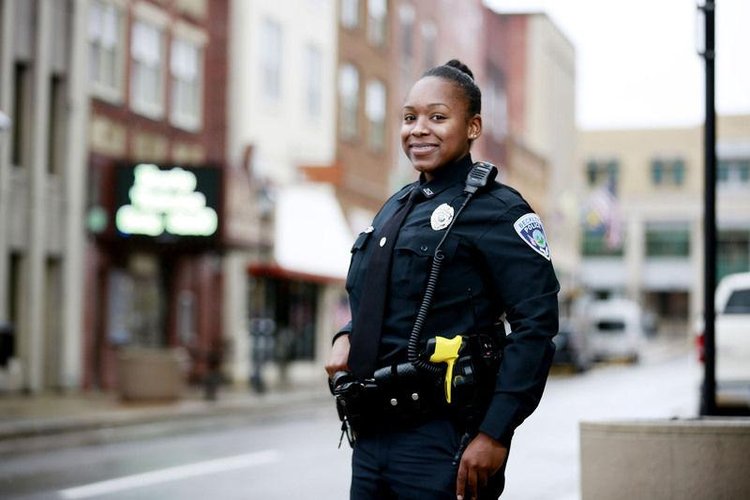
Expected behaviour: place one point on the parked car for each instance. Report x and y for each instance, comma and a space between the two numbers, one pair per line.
616, 329
732, 331
571, 346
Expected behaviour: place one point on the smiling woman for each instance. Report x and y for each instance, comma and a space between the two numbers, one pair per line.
430, 282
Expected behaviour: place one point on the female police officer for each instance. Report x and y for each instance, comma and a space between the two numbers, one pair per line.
495, 265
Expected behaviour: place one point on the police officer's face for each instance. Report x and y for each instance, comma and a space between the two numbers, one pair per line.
435, 126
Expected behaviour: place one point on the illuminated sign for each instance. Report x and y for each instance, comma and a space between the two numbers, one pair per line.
158, 202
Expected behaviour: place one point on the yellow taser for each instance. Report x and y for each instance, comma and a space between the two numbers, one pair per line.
446, 351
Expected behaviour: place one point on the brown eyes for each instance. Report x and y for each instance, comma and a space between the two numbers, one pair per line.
437, 118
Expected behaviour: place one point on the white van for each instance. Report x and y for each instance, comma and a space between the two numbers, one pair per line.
732, 327
616, 329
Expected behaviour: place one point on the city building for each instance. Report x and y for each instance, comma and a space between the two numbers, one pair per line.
188, 174
156, 217
364, 127
283, 298
530, 129
643, 215
42, 159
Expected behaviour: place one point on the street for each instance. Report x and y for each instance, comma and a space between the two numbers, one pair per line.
295, 455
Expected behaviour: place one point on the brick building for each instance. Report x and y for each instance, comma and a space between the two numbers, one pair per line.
156, 178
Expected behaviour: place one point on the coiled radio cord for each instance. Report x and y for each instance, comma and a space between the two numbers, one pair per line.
424, 307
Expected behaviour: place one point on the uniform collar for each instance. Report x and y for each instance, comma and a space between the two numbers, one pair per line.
446, 177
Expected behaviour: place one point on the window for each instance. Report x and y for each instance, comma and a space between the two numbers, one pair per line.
270, 46
733, 172
597, 243
667, 240
497, 104
377, 14
14, 290
732, 252
186, 67
56, 129
147, 78
348, 101
668, 172
375, 104
21, 135
668, 305
406, 21
105, 49
429, 44
350, 13
314, 81
603, 172
739, 302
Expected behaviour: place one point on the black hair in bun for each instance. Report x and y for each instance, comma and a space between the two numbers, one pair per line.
455, 63
460, 74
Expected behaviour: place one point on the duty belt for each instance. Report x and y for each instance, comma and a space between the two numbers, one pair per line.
401, 394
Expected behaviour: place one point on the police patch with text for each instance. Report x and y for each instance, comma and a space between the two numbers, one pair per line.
529, 227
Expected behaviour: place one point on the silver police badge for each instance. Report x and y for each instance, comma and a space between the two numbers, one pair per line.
529, 228
441, 217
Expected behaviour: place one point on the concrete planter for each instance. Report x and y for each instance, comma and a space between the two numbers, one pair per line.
149, 374
666, 460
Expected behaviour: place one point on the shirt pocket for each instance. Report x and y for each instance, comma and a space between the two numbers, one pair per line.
357, 268
412, 262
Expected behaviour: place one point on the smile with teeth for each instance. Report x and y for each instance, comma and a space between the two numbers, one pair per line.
422, 148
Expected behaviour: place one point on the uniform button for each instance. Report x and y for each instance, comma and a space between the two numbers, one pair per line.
423, 248
382, 241
394, 402
415, 396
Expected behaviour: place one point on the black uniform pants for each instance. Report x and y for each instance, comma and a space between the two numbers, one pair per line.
413, 463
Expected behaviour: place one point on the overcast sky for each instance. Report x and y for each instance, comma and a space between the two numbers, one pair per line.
636, 60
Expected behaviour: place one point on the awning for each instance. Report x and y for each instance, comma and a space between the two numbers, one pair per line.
312, 239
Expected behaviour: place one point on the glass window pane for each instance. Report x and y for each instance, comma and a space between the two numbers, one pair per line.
314, 81
375, 111
350, 13
271, 53
739, 302
376, 21
679, 172
656, 172
349, 96
744, 167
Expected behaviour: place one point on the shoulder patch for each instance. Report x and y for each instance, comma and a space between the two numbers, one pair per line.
529, 227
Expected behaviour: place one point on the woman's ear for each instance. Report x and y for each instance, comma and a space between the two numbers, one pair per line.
475, 127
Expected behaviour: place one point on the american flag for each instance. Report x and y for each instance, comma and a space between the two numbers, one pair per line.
602, 213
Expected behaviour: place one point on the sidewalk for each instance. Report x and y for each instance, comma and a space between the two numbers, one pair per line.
32, 423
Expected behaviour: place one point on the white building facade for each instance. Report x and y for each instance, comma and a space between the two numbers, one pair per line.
42, 180
283, 58
643, 215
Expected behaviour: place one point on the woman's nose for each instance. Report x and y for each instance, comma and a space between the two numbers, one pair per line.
419, 128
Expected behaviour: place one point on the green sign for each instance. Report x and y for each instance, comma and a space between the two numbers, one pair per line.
155, 201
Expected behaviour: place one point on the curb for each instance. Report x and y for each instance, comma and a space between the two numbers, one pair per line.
123, 423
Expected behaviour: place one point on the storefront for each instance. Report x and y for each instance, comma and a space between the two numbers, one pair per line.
296, 297
154, 268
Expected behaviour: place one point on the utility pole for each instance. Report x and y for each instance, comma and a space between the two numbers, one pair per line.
708, 396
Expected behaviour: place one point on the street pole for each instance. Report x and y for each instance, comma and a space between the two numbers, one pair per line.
708, 402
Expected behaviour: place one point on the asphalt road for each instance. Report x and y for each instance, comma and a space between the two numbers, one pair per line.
295, 455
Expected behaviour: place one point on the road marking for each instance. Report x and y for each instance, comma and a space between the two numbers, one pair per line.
171, 474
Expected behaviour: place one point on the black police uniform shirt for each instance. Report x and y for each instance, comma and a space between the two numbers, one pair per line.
497, 261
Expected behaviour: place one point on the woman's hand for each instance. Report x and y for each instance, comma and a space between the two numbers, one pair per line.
483, 457
338, 359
